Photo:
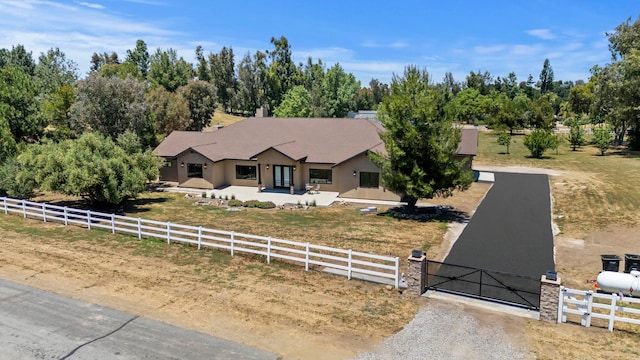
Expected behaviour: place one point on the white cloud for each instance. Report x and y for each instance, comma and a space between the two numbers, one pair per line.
398, 44
525, 50
91, 5
544, 34
330, 54
489, 49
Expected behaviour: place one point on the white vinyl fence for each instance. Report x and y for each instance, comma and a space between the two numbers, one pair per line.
348, 262
589, 304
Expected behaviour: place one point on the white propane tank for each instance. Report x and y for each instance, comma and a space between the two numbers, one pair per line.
616, 282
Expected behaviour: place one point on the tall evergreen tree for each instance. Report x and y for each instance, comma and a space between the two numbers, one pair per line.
421, 160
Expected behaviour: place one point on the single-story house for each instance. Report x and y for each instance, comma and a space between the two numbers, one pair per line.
285, 153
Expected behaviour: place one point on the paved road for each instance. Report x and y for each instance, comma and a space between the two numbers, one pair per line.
38, 325
511, 229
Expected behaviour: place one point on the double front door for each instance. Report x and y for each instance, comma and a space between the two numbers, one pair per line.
282, 176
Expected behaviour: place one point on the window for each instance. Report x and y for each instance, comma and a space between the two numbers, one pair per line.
245, 172
168, 164
369, 179
320, 176
194, 170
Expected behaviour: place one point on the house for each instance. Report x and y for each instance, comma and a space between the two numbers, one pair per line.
285, 153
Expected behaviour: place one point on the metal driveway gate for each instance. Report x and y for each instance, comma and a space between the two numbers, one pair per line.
510, 289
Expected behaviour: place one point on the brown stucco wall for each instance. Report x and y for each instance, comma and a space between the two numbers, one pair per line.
169, 173
206, 182
349, 185
230, 173
272, 158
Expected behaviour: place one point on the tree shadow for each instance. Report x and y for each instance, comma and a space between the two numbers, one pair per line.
130, 206
436, 213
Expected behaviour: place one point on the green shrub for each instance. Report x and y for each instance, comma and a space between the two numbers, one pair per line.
266, 205
204, 195
226, 197
235, 203
251, 203
233, 197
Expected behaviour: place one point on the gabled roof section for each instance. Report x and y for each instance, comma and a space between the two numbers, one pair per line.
289, 149
468, 142
179, 141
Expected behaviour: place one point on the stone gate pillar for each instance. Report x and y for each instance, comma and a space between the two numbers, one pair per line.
416, 273
549, 298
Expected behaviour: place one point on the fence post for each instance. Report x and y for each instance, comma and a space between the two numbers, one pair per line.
44, 213
232, 239
612, 313
561, 304
89, 219
397, 272
139, 230
349, 264
269, 250
549, 292
306, 261
416, 273
199, 237
168, 233
24, 209
589, 297
113, 223
66, 217
6, 210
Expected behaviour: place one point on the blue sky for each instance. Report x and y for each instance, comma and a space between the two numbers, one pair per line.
372, 39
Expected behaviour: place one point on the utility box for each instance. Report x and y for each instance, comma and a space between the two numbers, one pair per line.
631, 262
610, 262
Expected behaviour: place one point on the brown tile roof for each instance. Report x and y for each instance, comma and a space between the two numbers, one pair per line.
468, 142
319, 140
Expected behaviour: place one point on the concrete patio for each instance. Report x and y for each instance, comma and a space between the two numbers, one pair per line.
279, 197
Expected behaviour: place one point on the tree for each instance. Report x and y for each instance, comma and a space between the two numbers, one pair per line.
250, 93
576, 136
538, 141
602, 138
202, 68
56, 111
296, 103
223, 76
421, 145
8, 146
168, 111
54, 70
169, 71
93, 167
21, 188
98, 60
124, 70
546, 77
18, 57
468, 106
339, 91
379, 91
282, 72
504, 140
202, 103
18, 103
110, 106
139, 57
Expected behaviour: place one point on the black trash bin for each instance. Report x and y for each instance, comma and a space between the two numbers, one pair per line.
631, 262
610, 262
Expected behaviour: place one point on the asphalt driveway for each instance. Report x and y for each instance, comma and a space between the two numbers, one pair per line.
511, 229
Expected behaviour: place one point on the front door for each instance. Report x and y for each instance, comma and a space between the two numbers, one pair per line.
282, 176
